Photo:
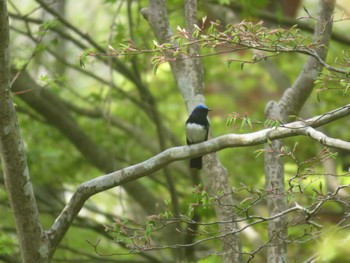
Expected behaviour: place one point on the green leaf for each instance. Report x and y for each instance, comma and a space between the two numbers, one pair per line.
190, 211
224, 2
318, 97
40, 48
243, 124
149, 228
83, 58
259, 152
320, 186
269, 142
229, 121
155, 68
109, 1
49, 24
333, 155
249, 123
7, 244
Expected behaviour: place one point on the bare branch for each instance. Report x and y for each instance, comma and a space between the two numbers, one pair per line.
294, 98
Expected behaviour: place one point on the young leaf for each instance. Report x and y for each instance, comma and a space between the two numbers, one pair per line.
83, 58
242, 65
249, 123
190, 211
318, 97
243, 124
259, 152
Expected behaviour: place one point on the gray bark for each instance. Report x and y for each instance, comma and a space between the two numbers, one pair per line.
32, 239
34, 243
290, 104
276, 199
188, 74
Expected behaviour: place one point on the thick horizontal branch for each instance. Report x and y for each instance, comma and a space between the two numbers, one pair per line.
131, 173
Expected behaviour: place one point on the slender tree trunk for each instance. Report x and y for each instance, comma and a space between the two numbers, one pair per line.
291, 103
60, 8
32, 239
218, 182
276, 199
188, 74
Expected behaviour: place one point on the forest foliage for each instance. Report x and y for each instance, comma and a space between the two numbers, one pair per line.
95, 92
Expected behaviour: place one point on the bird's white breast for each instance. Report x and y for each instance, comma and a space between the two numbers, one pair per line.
195, 133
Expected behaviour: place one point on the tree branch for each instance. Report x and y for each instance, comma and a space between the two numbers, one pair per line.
287, 21
295, 97
188, 74
41, 100
131, 173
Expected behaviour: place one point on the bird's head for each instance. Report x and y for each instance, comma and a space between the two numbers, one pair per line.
201, 108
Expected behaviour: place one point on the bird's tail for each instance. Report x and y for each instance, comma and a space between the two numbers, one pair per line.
196, 163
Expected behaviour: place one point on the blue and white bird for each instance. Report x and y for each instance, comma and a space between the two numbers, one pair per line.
197, 128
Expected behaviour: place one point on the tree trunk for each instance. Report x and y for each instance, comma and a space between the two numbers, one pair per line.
291, 103
32, 239
276, 199
188, 74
